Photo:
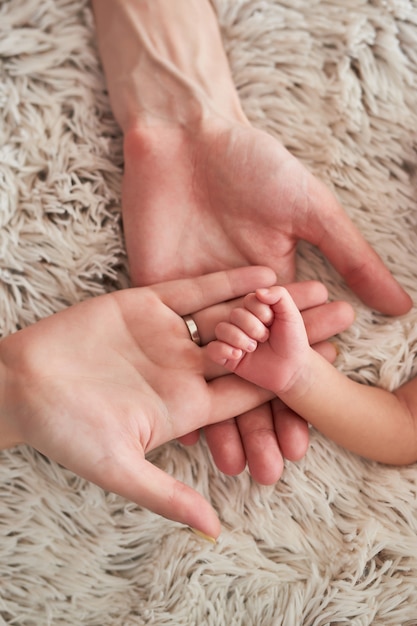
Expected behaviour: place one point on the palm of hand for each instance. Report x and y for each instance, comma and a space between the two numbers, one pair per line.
97, 386
120, 382
234, 198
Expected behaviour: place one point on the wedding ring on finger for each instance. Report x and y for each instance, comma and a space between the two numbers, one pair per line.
192, 329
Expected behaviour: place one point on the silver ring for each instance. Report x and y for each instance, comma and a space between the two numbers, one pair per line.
192, 329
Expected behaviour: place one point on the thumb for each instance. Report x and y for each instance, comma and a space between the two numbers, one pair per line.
330, 228
154, 489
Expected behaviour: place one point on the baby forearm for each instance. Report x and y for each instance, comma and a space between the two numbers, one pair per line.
369, 421
164, 62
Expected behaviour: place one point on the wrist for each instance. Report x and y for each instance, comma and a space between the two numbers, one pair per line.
303, 379
309, 388
165, 63
187, 110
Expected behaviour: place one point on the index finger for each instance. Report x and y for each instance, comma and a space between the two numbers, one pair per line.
188, 295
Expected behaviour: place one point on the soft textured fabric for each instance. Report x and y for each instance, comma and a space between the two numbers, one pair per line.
334, 542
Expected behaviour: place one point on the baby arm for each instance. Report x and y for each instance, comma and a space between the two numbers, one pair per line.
265, 342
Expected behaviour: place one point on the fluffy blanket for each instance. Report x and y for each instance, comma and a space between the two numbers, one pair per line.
335, 541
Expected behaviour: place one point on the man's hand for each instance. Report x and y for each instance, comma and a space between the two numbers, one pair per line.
204, 191
233, 196
230, 196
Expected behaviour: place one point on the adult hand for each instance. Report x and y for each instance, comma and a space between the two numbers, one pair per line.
97, 386
204, 191
232, 195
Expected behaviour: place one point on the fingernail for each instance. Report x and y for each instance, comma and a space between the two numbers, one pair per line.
200, 533
251, 347
336, 347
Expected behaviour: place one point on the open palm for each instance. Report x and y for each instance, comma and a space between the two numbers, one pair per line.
227, 196
232, 196
97, 386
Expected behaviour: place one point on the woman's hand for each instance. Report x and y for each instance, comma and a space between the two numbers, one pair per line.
97, 386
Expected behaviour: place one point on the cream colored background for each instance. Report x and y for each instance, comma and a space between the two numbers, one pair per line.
335, 542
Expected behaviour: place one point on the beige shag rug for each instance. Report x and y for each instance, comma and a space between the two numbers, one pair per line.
335, 541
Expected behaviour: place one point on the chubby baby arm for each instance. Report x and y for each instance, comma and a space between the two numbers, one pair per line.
369, 421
